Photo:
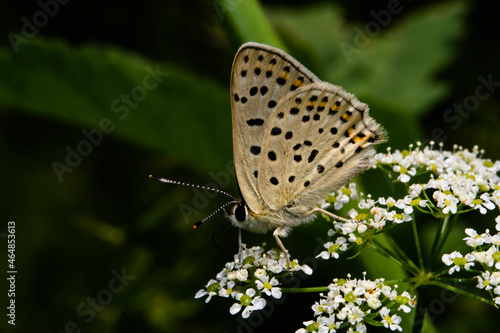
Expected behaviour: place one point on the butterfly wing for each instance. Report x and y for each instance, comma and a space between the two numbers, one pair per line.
262, 76
319, 138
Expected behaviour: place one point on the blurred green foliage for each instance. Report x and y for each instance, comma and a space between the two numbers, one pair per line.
153, 79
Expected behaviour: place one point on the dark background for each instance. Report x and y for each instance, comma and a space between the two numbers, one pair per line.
105, 216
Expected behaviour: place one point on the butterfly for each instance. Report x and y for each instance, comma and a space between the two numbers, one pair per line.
296, 140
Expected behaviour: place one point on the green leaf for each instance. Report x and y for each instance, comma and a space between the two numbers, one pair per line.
396, 65
246, 22
157, 105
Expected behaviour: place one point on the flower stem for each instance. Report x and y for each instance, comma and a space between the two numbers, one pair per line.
435, 243
395, 253
305, 290
463, 292
417, 241
442, 236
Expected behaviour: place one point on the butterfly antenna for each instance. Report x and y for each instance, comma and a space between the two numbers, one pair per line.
199, 223
169, 181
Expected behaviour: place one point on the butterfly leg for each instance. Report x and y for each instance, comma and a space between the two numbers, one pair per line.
240, 244
333, 216
282, 247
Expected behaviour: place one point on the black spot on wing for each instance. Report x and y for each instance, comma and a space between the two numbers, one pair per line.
313, 155
271, 155
255, 122
275, 131
255, 150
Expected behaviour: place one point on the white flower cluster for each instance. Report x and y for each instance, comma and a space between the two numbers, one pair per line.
458, 177
350, 303
372, 217
249, 280
441, 184
488, 259
457, 180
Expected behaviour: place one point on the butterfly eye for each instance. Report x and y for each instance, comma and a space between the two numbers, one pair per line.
240, 212
236, 211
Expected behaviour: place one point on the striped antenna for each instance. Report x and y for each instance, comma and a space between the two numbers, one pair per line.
169, 181
199, 223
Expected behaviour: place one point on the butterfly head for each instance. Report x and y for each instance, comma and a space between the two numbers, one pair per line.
237, 213
241, 216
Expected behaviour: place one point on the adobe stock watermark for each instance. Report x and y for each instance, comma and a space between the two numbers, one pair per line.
30, 26
202, 197
88, 309
455, 115
362, 37
121, 108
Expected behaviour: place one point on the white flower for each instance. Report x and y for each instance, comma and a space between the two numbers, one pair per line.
360, 327
306, 323
349, 301
268, 286
366, 203
405, 205
391, 322
341, 200
494, 239
495, 278
327, 324
212, 289
404, 307
484, 203
354, 313
373, 300
484, 281
415, 190
405, 173
455, 258
448, 202
362, 228
483, 257
390, 202
352, 213
227, 290
333, 248
304, 268
348, 227
474, 239
248, 302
